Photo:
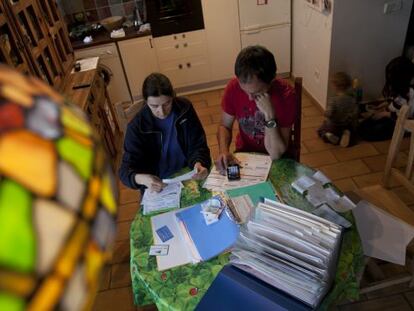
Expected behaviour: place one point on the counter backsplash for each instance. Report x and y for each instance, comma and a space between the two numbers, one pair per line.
90, 11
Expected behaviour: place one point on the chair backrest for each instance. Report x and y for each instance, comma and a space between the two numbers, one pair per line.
125, 111
295, 135
402, 126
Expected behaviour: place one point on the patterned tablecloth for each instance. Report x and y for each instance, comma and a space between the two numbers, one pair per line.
181, 288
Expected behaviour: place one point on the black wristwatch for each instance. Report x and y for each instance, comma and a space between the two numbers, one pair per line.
271, 124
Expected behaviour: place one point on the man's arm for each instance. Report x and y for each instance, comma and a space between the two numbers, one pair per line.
276, 141
224, 136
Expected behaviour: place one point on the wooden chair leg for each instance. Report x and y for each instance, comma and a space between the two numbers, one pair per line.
395, 145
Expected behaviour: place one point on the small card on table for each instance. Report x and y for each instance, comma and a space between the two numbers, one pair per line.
159, 250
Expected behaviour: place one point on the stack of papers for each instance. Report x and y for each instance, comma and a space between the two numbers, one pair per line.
325, 199
189, 238
289, 249
168, 198
254, 168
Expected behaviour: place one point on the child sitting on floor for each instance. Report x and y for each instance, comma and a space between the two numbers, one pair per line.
341, 113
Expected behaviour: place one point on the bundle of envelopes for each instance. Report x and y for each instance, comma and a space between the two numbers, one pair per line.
290, 249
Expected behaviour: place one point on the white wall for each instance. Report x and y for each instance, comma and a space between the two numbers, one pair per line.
364, 40
311, 47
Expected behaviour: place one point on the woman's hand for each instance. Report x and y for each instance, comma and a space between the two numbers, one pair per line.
153, 183
202, 172
264, 104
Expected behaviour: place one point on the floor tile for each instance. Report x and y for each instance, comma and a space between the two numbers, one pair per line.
128, 196
345, 169
123, 230
346, 184
119, 299
206, 111
312, 121
392, 303
404, 195
355, 152
202, 103
205, 120
377, 163
105, 279
120, 275
318, 145
368, 179
311, 111
211, 129
121, 252
316, 159
128, 211
309, 133
216, 118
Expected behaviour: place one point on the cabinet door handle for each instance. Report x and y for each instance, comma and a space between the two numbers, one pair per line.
180, 66
177, 46
183, 35
185, 44
150, 41
188, 65
175, 37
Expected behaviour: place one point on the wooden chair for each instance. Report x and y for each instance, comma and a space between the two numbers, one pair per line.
295, 135
381, 196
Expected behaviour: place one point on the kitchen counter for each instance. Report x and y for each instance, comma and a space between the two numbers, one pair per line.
103, 37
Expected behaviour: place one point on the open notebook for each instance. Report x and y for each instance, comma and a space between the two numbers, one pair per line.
189, 238
289, 249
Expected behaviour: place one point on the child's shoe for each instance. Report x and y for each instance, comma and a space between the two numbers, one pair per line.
345, 138
331, 138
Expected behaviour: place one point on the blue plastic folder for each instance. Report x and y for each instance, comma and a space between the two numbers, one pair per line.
234, 289
210, 240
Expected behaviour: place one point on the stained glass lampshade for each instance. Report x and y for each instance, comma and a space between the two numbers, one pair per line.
57, 208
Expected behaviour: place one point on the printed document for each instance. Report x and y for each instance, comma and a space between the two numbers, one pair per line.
254, 168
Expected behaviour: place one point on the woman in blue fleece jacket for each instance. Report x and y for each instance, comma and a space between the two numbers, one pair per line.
165, 136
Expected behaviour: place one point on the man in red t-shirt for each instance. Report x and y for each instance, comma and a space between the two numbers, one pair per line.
263, 105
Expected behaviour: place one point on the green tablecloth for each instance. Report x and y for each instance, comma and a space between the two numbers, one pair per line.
181, 288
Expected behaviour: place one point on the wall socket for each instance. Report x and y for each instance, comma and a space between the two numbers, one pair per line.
392, 6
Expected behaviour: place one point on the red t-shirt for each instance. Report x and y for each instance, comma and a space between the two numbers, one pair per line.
236, 103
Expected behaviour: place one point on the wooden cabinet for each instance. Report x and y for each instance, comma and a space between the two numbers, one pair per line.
94, 100
12, 51
139, 59
183, 57
58, 33
221, 19
34, 39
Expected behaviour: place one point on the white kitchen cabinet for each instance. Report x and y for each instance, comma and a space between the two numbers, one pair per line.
109, 58
221, 20
140, 59
183, 58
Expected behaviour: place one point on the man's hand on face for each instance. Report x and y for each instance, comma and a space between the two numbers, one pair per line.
224, 160
264, 105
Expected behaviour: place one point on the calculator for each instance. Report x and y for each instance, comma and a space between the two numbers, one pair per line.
233, 172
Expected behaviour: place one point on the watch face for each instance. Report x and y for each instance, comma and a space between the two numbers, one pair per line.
271, 124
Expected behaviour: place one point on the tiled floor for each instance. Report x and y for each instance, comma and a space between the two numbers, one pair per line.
352, 167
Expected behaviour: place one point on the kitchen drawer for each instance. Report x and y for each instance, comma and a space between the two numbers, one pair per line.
179, 38
188, 71
193, 43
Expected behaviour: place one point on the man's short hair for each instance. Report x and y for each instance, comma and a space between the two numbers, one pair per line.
255, 61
